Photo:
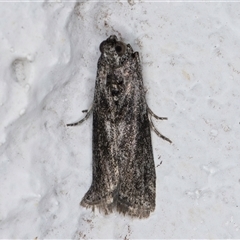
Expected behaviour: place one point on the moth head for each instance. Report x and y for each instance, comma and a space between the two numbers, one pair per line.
114, 51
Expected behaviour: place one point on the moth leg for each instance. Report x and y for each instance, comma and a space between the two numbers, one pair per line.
154, 115
157, 132
82, 120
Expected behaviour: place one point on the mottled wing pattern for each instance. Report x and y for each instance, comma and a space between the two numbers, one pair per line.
123, 165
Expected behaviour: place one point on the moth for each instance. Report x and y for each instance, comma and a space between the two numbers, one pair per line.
123, 171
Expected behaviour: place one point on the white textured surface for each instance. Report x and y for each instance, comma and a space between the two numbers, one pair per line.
191, 67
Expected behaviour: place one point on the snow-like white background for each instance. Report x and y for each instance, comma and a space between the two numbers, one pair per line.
191, 68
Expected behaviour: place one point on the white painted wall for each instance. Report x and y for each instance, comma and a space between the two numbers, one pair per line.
190, 55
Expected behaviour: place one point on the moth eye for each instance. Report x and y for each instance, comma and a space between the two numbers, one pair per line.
120, 48
101, 46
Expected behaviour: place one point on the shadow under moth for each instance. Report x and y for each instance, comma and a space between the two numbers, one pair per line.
123, 171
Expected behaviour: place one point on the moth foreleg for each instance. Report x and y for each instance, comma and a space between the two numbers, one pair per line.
82, 120
154, 115
156, 131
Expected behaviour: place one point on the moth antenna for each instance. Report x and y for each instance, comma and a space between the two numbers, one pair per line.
82, 120
156, 131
